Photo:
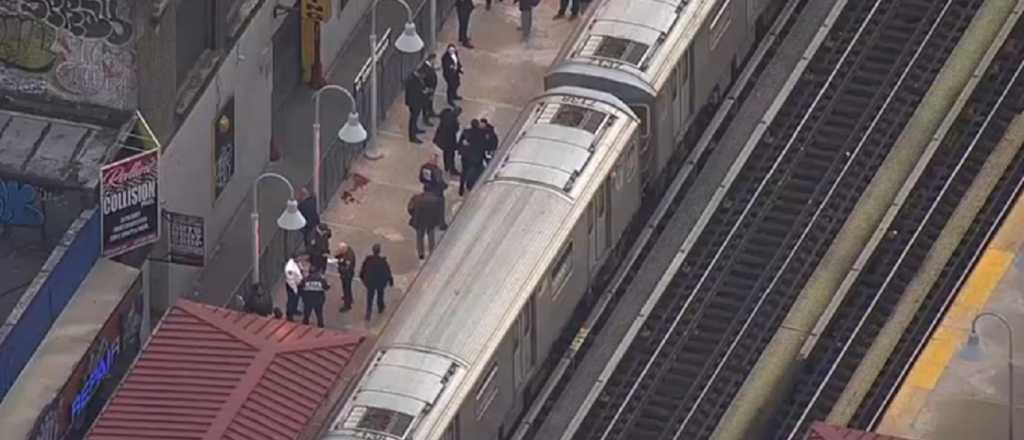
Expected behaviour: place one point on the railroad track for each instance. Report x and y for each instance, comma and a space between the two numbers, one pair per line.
898, 258
741, 273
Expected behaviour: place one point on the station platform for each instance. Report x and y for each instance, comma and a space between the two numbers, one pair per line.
945, 397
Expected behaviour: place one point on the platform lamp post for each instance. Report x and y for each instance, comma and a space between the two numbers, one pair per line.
408, 42
290, 220
352, 132
972, 351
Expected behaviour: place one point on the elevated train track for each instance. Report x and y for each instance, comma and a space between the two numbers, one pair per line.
735, 279
880, 286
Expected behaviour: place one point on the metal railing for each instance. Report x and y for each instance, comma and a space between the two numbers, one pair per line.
337, 157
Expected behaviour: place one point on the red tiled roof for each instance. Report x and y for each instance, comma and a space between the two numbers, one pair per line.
212, 373
824, 431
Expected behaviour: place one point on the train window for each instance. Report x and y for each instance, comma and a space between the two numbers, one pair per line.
574, 116
486, 391
383, 420
620, 49
643, 113
561, 270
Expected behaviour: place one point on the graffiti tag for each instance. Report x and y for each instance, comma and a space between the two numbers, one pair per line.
25, 43
92, 67
19, 205
92, 19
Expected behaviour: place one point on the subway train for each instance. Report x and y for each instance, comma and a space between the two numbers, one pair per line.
462, 358
671, 61
488, 305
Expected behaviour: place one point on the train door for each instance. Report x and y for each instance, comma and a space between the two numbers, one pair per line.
600, 223
681, 97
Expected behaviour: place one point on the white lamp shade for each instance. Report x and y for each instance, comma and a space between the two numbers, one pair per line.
353, 131
971, 350
291, 219
409, 41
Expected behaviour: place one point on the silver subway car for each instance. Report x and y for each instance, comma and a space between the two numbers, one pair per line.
669, 60
455, 361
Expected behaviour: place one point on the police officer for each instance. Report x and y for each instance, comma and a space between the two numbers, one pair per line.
314, 292
428, 73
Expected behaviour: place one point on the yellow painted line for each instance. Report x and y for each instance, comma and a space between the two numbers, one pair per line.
951, 333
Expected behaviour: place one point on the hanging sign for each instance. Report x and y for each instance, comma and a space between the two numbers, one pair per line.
185, 238
128, 197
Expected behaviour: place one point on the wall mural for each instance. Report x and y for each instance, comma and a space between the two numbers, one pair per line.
80, 50
20, 204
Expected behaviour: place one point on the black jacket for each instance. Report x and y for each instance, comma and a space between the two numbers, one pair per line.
313, 289
451, 68
432, 179
376, 272
429, 76
490, 142
464, 7
471, 147
414, 96
447, 134
307, 207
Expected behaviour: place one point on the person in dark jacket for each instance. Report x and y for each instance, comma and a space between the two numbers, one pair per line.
308, 209
429, 75
319, 246
414, 99
471, 149
451, 69
259, 301
526, 16
313, 290
433, 181
446, 137
490, 140
563, 4
347, 271
463, 8
376, 275
425, 215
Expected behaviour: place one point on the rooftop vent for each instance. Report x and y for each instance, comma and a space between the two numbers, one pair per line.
616, 49
574, 116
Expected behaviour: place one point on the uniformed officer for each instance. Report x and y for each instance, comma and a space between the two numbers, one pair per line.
313, 290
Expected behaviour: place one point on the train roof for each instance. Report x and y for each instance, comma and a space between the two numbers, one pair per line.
471, 289
632, 41
561, 136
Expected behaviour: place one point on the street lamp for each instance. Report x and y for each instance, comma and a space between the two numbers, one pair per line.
973, 352
408, 42
290, 220
352, 132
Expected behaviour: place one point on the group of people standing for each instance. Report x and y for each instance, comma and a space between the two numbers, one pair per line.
464, 10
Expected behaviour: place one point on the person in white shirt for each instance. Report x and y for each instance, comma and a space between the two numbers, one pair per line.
292, 279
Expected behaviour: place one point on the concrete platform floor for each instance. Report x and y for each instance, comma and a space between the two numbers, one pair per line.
947, 398
502, 75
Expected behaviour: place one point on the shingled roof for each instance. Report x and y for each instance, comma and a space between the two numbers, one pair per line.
212, 373
824, 431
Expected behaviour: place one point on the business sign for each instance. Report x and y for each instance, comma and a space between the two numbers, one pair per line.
185, 238
223, 148
96, 375
316, 10
128, 195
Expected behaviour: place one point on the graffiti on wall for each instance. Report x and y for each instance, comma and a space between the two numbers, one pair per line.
81, 50
20, 204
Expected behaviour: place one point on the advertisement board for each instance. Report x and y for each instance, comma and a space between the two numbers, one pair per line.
186, 238
130, 215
